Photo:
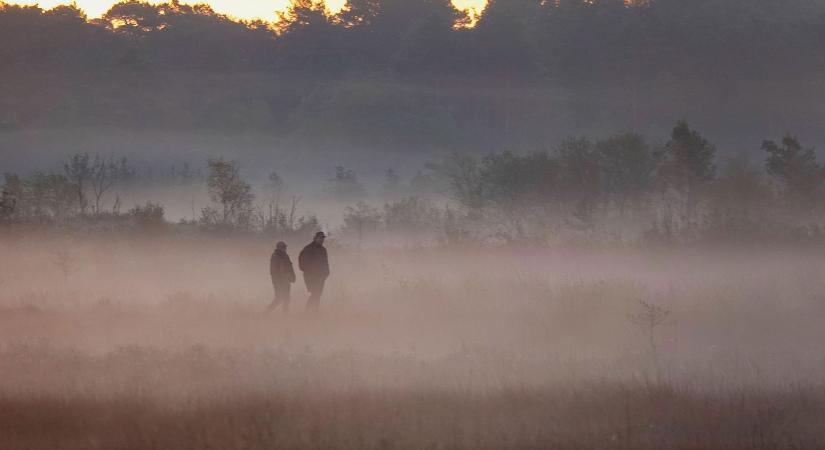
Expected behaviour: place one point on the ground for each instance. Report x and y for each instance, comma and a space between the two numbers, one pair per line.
115, 342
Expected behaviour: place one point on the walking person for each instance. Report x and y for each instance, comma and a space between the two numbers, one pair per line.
283, 275
314, 263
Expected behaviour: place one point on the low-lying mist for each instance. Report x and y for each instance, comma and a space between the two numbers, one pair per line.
129, 330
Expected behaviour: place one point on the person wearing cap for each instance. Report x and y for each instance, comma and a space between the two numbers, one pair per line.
283, 275
314, 263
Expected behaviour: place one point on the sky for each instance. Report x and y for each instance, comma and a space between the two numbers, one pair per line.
244, 9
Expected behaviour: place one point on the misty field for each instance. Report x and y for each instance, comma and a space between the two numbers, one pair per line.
162, 343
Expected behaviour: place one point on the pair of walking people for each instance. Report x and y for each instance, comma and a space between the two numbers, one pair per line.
314, 264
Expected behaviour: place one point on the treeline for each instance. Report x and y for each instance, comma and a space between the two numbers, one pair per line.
403, 72
625, 187
511, 39
621, 188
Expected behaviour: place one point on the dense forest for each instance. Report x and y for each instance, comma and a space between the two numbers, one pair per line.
406, 74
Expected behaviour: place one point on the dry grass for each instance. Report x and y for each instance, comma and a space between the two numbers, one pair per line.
162, 344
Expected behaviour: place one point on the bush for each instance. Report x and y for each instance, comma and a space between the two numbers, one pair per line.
149, 217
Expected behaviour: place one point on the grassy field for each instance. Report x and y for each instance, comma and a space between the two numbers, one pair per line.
161, 343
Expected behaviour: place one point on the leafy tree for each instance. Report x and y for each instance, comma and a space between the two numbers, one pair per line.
344, 185
379, 30
463, 178
135, 17
49, 196
504, 39
795, 167
580, 176
411, 216
231, 192
689, 157
12, 192
361, 219
308, 39
513, 181
629, 166
740, 192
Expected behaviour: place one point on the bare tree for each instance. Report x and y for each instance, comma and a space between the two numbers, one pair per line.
274, 189
66, 263
648, 318
104, 176
79, 172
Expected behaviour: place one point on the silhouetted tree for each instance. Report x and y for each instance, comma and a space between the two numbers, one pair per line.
581, 176
688, 165
361, 219
233, 193
79, 171
344, 185
309, 39
629, 166
795, 168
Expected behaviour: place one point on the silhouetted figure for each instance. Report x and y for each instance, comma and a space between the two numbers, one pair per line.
314, 263
283, 275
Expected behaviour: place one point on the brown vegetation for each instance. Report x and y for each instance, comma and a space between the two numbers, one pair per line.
160, 343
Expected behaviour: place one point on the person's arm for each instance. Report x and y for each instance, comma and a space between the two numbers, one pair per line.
302, 264
291, 270
273, 267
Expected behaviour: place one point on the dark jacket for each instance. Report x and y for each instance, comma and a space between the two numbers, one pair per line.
313, 261
280, 268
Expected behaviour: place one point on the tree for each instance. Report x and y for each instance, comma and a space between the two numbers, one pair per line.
149, 217
512, 181
580, 176
227, 188
273, 190
380, 32
503, 37
411, 216
11, 193
308, 39
739, 193
689, 158
135, 17
344, 185
688, 166
103, 177
463, 178
79, 172
360, 219
49, 196
392, 183
795, 168
628, 165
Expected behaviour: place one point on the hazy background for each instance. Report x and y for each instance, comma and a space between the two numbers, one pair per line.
569, 224
380, 83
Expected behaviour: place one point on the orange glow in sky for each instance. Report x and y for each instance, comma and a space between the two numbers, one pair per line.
244, 9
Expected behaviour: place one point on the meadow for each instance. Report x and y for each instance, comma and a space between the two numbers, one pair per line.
112, 342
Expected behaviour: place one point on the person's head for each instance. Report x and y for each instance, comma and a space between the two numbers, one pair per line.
281, 246
319, 237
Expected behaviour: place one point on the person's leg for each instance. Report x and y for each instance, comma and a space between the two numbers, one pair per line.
276, 300
314, 302
286, 297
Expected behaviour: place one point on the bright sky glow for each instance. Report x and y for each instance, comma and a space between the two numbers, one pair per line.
244, 9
